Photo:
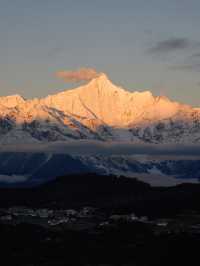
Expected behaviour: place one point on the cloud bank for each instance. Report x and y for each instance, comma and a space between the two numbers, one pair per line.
82, 74
87, 147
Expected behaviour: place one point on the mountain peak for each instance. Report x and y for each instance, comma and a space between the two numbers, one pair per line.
101, 78
103, 84
11, 101
97, 110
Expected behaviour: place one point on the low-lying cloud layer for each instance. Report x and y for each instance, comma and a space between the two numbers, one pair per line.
82, 74
12, 179
85, 147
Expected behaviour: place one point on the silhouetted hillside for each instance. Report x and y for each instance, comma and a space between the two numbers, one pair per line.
110, 192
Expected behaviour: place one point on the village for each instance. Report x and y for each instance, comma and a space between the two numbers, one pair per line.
92, 219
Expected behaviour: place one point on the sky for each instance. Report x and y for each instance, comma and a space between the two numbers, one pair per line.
140, 44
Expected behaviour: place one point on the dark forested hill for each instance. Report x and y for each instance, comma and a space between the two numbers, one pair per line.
106, 192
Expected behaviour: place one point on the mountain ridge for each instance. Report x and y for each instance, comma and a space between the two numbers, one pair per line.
98, 110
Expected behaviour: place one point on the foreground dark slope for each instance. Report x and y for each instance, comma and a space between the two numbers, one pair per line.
108, 192
123, 243
127, 245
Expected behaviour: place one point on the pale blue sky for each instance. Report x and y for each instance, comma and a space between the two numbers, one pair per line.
140, 44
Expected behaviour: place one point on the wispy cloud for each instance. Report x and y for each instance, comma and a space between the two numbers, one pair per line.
191, 55
82, 74
186, 66
170, 45
55, 51
196, 55
190, 63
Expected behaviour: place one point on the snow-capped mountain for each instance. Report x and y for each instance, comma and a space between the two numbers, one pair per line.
98, 110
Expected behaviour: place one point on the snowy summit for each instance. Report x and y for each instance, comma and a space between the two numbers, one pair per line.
98, 110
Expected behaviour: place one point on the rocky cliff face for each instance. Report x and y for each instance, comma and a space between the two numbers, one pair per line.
98, 110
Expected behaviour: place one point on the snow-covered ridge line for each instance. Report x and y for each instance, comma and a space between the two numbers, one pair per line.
98, 110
